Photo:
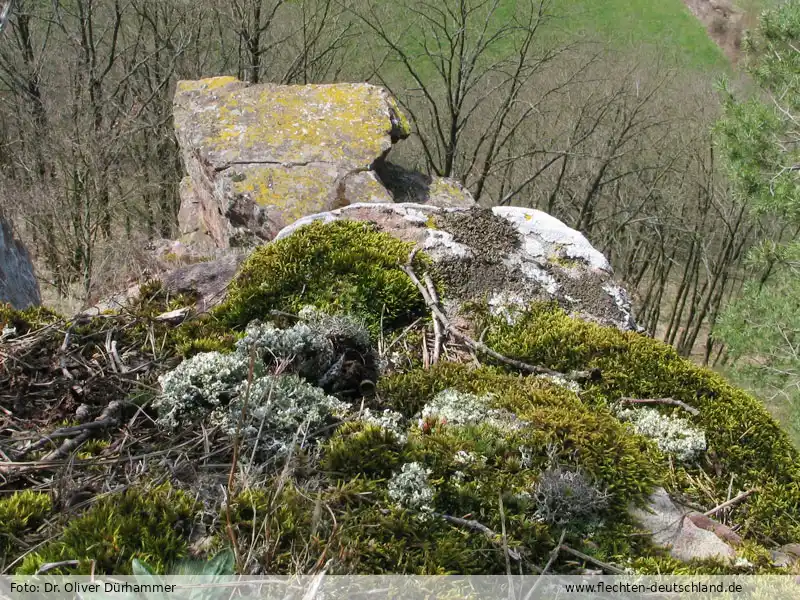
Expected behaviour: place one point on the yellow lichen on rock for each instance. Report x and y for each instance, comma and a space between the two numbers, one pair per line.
349, 124
276, 153
297, 192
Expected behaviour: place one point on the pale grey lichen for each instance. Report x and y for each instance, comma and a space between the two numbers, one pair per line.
298, 342
200, 385
316, 347
673, 435
279, 413
410, 488
459, 408
563, 496
462, 457
388, 420
563, 382
526, 456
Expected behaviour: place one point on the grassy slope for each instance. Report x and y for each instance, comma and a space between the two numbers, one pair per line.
666, 23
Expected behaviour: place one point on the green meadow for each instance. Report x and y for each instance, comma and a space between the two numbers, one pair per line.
666, 24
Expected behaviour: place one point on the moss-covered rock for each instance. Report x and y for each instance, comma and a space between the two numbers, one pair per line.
743, 442
339, 267
423, 472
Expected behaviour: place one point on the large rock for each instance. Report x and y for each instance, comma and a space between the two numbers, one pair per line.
261, 156
206, 282
18, 285
508, 256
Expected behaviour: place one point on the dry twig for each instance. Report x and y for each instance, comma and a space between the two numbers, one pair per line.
603, 565
728, 503
553, 555
477, 526
668, 401
437, 327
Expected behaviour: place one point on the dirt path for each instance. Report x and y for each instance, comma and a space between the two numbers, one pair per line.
724, 23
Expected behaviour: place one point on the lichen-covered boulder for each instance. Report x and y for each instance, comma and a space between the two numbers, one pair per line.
507, 256
18, 285
260, 156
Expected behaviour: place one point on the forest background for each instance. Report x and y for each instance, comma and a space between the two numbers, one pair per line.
666, 137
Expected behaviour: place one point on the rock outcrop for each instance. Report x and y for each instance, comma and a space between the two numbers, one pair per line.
509, 256
689, 535
18, 285
259, 157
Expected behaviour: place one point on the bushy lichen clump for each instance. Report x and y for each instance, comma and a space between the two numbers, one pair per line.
333, 352
410, 488
269, 413
563, 496
343, 266
200, 386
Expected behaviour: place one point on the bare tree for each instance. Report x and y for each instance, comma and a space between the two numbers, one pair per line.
459, 68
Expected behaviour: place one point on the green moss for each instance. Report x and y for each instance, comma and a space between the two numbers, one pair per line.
28, 319
284, 529
151, 525
20, 512
360, 448
588, 437
342, 266
744, 442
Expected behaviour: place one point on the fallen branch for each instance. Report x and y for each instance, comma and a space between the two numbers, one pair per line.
109, 417
668, 401
603, 565
437, 327
480, 346
553, 555
66, 432
728, 503
493, 536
